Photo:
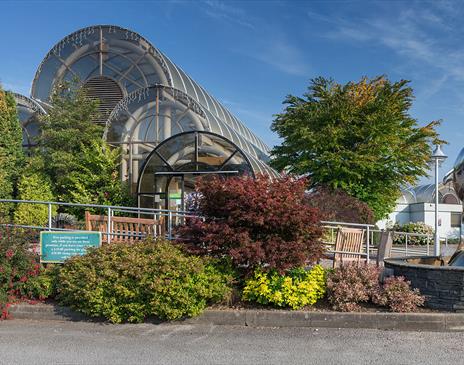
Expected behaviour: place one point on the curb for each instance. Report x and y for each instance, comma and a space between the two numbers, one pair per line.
440, 322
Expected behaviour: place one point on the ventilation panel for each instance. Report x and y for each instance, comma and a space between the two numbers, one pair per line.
107, 91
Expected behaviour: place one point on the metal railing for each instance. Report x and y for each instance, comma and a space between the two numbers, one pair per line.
372, 237
334, 226
172, 218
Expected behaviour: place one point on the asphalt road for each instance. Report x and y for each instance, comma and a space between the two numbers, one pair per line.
54, 342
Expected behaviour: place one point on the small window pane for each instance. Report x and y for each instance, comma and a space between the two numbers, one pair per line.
455, 220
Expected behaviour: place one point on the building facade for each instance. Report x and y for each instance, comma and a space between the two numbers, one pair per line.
170, 129
418, 205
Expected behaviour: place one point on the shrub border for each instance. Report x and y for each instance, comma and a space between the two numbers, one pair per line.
439, 322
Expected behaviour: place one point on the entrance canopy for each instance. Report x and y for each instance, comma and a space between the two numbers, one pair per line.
168, 175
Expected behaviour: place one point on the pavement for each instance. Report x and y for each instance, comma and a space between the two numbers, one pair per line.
57, 342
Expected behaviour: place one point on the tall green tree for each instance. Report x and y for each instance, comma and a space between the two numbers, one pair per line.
33, 184
81, 166
358, 137
11, 152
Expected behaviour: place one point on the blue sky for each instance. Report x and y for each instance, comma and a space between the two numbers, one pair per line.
251, 54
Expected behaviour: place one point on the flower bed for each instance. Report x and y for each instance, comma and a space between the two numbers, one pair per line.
257, 245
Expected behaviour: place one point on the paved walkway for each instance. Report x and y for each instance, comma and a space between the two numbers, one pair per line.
53, 342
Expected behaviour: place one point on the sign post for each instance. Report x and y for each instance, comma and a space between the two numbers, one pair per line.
56, 247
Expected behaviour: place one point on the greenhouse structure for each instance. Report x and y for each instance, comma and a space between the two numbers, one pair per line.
170, 129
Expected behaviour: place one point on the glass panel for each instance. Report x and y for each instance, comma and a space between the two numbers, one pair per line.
147, 201
173, 117
147, 182
458, 260
118, 130
46, 78
455, 220
122, 49
238, 163
175, 191
33, 129
213, 150
86, 66
177, 147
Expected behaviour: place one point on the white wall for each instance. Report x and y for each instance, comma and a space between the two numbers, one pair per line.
400, 215
444, 218
424, 212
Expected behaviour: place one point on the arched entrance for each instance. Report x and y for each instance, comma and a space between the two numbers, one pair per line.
167, 178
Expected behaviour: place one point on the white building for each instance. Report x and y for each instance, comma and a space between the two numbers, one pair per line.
417, 205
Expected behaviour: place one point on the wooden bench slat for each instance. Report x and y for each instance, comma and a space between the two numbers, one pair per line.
348, 240
124, 229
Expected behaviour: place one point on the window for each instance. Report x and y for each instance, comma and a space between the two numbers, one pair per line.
455, 220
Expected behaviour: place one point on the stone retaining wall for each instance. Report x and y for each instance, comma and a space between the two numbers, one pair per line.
443, 286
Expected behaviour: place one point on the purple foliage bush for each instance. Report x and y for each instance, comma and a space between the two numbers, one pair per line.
398, 295
337, 205
350, 285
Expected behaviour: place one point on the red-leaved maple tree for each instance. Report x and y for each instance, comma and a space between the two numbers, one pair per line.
256, 222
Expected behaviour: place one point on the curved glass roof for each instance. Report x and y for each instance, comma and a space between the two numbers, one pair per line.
146, 117
426, 194
28, 112
119, 54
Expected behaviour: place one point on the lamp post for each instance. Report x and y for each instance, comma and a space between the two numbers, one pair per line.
437, 157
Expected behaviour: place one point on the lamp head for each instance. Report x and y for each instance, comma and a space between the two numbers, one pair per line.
438, 154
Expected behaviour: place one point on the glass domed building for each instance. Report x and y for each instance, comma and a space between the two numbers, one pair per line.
417, 204
170, 129
29, 111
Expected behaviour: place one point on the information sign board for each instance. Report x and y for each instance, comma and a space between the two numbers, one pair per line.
55, 247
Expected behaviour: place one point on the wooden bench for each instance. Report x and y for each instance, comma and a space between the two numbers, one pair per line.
124, 229
348, 246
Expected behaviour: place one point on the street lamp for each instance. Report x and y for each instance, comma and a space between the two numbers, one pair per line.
437, 157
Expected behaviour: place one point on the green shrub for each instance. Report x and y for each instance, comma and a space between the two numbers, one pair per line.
131, 282
11, 151
33, 186
454, 241
412, 227
6, 192
296, 289
81, 166
42, 285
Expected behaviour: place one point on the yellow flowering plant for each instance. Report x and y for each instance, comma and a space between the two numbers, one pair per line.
296, 289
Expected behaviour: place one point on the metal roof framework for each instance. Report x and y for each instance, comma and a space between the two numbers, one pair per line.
29, 111
134, 63
151, 98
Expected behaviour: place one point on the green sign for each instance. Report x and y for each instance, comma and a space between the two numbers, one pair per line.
55, 247
177, 195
